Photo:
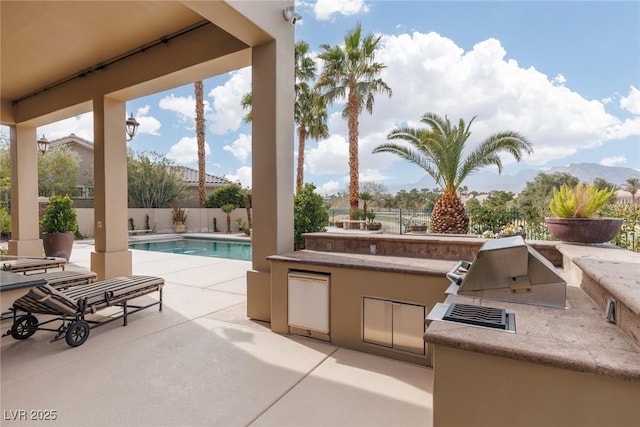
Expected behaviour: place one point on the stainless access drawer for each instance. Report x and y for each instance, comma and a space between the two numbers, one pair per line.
408, 327
393, 324
378, 322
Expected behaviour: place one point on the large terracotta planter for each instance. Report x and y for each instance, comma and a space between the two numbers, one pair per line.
58, 244
179, 227
584, 230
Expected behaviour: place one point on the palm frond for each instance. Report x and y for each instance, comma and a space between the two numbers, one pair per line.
442, 146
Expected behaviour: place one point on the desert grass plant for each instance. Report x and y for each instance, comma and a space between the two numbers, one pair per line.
582, 201
179, 214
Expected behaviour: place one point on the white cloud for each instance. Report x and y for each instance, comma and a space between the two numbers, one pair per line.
330, 187
430, 73
227, 113
243, 176
186, 150
183, 106
148, 124
632, 101
329, 157
559, 80
240, 148
371, 175
81, 125
613, 161
325, 8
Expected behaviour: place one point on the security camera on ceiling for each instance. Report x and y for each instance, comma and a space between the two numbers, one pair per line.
290, 15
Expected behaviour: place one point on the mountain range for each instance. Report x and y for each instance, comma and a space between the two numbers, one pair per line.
485, 181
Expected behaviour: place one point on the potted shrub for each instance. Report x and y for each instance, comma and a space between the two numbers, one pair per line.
574, 215
511, 230
179, 216
59, 224
371, 224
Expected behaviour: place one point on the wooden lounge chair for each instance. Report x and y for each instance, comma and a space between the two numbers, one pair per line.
71, 305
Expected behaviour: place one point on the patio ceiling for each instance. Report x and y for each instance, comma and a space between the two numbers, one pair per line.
44, 43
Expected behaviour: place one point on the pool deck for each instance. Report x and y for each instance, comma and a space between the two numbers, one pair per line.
201, 362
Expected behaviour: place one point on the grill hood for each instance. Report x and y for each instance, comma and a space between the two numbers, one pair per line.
508, 269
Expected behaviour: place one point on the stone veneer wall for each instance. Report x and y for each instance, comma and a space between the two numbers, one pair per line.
441, 247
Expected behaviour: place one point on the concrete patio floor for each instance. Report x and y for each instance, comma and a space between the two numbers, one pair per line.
201, 362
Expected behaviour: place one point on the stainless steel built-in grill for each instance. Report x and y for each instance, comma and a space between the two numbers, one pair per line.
509, 270
504, 269
475, 315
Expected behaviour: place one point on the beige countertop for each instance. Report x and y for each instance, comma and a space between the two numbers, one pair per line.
577, 338
368, 262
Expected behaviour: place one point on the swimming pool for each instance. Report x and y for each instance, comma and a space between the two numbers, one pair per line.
216, 248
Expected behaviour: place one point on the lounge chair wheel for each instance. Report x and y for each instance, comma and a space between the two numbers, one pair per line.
77, 333
24, 327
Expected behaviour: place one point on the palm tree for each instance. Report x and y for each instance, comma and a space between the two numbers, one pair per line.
365, 197
228, 208
246, 105
350, 72
305, 66
310, 114
439, 151
200, 138
310, 110
245, 193
632, 186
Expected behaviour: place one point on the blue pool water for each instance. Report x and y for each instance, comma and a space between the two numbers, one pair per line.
230, 249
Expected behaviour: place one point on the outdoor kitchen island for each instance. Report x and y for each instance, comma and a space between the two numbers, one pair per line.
561, 367
370, 303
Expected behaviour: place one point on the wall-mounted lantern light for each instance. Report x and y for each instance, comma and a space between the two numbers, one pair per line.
43, 144
132, 127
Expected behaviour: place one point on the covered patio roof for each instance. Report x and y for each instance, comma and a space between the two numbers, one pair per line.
60, 59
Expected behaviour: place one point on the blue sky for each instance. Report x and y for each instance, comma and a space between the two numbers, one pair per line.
564, 74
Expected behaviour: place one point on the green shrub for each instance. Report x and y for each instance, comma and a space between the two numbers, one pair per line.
230, 194
5, 221
485, 218
629, 235
310, 214
59, 215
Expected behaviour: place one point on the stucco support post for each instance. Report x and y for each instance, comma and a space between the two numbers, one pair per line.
272, 171
112, 256
25, 228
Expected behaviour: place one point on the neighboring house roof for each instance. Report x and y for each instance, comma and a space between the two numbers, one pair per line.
73, 139
190, 176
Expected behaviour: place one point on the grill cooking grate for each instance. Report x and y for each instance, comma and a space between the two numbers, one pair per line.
476, 315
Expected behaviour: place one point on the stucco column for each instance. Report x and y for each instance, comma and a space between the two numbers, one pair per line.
112, 256
25, 236
272, 153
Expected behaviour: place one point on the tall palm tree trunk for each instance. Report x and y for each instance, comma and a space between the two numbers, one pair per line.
354, 184
200, 139
302, 136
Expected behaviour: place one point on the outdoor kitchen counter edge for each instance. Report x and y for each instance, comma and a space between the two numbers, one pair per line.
577, 338
368, 262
